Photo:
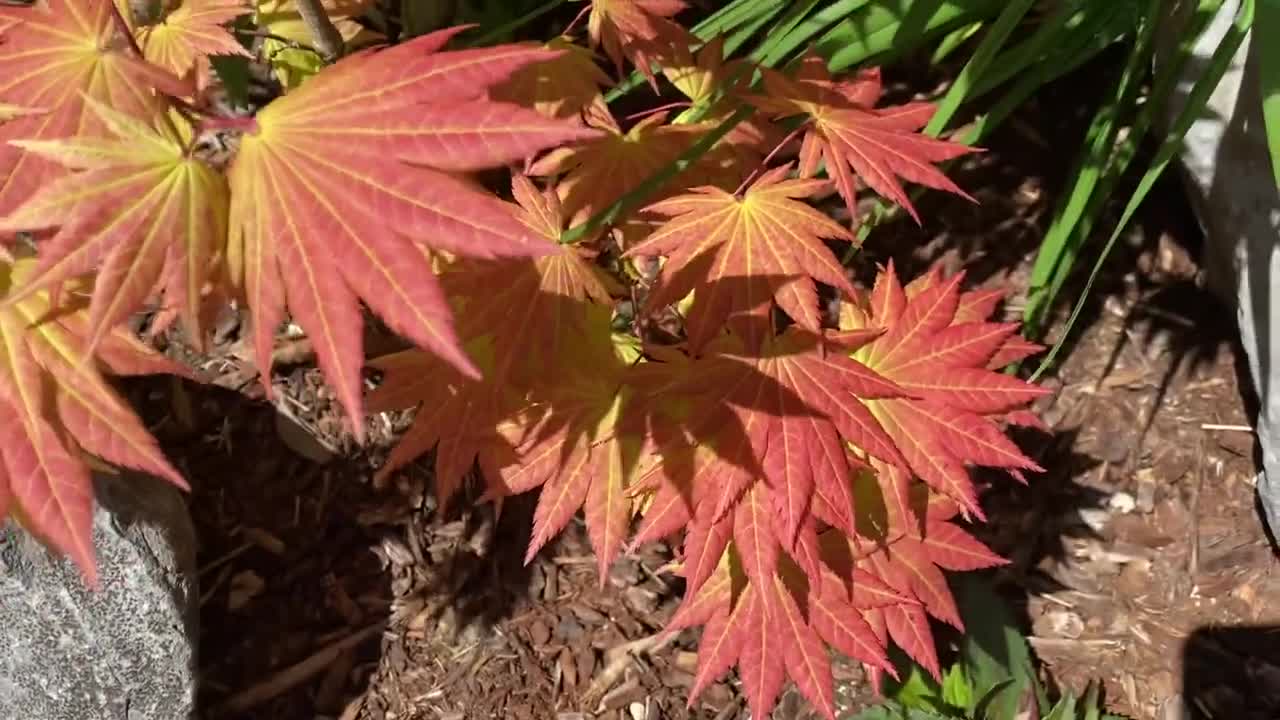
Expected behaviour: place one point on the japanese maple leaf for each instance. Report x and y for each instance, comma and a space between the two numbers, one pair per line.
739, 252
907, 556
702, 78
775, 627
339, 185
942, 365
699, 76
599, 172
53, 55
528, 306
638, 30
855, 138
777, 420
139, 209
53, 405
561, 87
457, 416
573, 446
185, 38
516, 314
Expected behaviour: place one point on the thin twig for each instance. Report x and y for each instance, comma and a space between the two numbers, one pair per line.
618, 658
576, 19
296, 674
1228, 428
764, 164
326, 38
660, 108
291, 44
122, 26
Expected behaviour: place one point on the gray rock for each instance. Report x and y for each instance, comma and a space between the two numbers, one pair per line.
125, 652
1227, 169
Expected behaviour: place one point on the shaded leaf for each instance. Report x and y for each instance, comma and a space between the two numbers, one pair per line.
139, 209
856, 139
326, 204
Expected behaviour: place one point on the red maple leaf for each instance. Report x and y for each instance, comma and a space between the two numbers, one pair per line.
775, 421
53, 55
942, 365
514, 313
638, 30
55, 408
739, 252
855, 138
598, 172
139, 208
328, 207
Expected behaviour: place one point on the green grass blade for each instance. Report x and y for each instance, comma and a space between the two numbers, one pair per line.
744, 33
794, 30
954, 40
726, 19
1067, 45
995, 39
1057, 251
893, 28
1084, 23
1196, 102
1265, 27
1058, 269
640, 194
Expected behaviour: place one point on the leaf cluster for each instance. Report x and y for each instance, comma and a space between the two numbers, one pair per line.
646, 322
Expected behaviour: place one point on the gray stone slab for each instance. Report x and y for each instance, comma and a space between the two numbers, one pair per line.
125, 652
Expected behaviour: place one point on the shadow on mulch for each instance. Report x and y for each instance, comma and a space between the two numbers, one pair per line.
303, 565
1232, 672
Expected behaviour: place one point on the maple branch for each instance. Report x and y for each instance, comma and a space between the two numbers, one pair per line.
291, 44
577, 19
764, 164
660, 108
326, 38
122, 27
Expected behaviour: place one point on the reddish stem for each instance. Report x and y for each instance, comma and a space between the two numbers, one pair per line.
764, 164
660, 108
577, 19
217, 122
122, 26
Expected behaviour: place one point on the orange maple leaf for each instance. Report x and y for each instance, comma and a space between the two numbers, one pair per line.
185, 38
53, 405
781, 412
572, 444
140, 209
53, 55
853, 137
528, 306
942, 365
736, 253
340, 184
638, 30
599, 172
515, 314
561, 87
797, 488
